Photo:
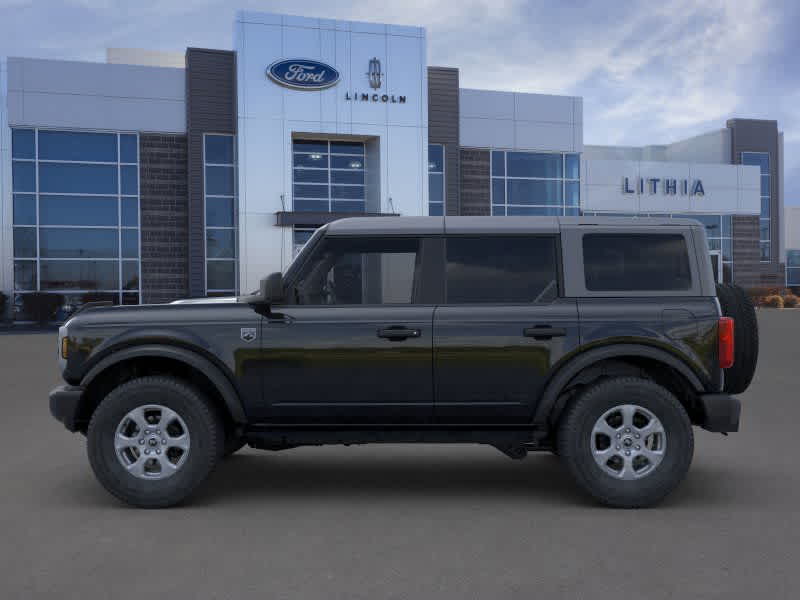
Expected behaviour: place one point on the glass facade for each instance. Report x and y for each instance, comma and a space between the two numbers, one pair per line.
761, 160
328, 176
219, 158
435, 180
535, 183
718, 232
75, 216
793, 267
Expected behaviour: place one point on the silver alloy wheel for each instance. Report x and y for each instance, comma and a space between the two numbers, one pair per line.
628, 442
152, 442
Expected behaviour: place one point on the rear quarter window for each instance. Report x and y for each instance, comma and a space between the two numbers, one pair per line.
636, 262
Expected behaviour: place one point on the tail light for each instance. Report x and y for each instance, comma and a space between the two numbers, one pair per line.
725, 342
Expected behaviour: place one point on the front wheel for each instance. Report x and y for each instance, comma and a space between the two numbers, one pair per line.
627, 441
153, 440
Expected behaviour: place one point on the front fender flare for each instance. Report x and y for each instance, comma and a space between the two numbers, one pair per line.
568, 371
217, 377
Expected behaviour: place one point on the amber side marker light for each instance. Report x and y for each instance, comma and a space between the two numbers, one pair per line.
64, 348
725, 342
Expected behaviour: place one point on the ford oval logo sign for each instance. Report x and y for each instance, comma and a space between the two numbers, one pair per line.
303, 74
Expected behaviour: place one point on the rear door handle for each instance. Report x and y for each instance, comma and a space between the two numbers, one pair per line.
544, 332
398, 333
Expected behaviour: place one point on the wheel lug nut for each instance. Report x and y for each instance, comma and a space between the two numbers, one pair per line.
147, 451
627, 430
638, 447
158, 451
618, 447
141, 441
618, 436
637, 436
158, 431
164, 442
627, 452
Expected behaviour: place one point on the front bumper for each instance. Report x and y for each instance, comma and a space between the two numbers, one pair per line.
719, 413
66, 402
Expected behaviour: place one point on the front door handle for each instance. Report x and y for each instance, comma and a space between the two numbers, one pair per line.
544, 332
398, 333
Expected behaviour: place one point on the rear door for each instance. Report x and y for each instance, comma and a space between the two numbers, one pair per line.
501, 328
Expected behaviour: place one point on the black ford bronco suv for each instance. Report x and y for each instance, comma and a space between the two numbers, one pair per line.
602, 340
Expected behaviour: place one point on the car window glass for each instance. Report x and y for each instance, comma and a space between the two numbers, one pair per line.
359, 271
511, 269
636, 262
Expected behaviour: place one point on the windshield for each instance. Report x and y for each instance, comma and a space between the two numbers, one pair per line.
300, 257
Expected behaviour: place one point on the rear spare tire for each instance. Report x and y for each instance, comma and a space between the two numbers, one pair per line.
736, 304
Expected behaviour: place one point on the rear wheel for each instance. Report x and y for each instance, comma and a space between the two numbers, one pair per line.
627, 441
153, 440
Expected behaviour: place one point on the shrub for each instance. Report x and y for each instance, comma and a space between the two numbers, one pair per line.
773, 301
41, 306
790, 301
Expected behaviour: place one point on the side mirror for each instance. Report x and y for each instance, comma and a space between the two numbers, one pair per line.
270, 291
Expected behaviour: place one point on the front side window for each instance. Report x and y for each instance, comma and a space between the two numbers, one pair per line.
345, 271
636, 262
501, 270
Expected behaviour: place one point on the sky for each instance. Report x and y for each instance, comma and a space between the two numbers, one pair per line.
649, 72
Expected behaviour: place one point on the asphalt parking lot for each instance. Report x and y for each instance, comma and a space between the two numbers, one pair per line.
412, 522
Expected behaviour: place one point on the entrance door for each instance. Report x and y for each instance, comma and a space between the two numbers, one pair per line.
716, 265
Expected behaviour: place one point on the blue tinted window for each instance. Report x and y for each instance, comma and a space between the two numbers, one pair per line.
220, 243
301, 236
219, 212
23, 176
314, 175
78, 243
726, 226
319, 161
23, 143
78, 179
310, 146
25, 275
793, 258
343, 162
129, 180
128, 149
572, 189
435, 158
499, 211
727, 249
764, 207
24, 209
436, 187
765, 185
530, 164
221, 274
130, 212
77, 210
354, 177
347, 192
130, 243
73, 145
347, 148
535, 211
311, 205
25, 242
498, 191
522, 191
572, 211
348, 206
573, 166
498, 163
436, 209
130, 275
310, 191
759, 159
711, 223
219, 149
219, 181
79, 275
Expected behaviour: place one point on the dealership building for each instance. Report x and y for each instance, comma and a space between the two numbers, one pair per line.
156, 176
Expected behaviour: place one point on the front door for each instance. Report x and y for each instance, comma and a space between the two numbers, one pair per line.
353, 344
501, 328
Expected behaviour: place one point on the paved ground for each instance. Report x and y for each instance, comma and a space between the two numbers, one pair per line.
402, 522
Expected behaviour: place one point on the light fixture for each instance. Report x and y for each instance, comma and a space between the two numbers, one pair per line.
316, 156
355, 164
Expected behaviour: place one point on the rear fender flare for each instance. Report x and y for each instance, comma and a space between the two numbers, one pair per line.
568, 371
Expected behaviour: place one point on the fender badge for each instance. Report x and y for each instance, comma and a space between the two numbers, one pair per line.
248, 334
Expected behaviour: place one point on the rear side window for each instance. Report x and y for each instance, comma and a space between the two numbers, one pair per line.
501, 269
636, 262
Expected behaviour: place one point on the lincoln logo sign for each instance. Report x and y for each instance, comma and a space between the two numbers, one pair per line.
667, 186
302, 74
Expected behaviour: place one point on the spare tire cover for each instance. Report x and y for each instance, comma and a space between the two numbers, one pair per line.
736, 304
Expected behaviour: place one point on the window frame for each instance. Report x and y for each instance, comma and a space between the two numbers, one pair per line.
443, 173
559, 271
209, 291
313, 247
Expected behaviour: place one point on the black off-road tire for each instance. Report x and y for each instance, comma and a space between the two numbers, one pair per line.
575, 434
206, 438
735, 303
